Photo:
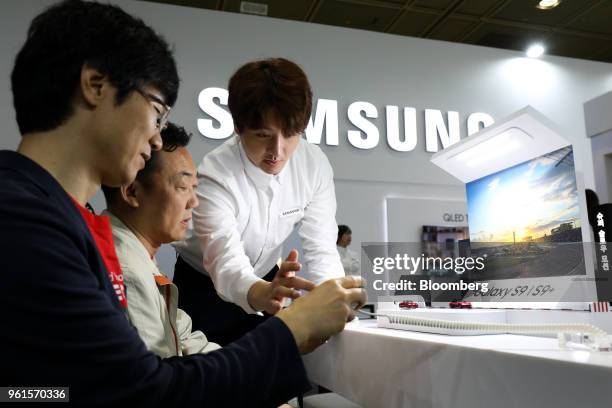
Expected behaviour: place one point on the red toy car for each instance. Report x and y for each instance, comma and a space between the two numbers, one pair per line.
407, 304
460, 305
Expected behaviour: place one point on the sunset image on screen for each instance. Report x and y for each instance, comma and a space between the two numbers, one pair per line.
526, 219
528, 202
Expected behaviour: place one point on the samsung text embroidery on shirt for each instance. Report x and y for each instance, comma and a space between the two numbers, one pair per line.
290, 212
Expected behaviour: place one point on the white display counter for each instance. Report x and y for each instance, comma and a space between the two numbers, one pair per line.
377, 367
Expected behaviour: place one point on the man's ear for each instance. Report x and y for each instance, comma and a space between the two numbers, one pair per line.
94, 85
131, 194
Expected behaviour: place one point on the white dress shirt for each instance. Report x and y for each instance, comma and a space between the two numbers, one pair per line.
350, 261
245, 215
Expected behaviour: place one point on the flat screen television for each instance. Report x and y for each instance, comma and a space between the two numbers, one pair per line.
439, 242
525, 222
526, 214
444, 242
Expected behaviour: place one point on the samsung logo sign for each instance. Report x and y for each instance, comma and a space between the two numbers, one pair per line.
323, 124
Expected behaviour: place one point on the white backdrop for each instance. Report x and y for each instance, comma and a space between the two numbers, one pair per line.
351, 65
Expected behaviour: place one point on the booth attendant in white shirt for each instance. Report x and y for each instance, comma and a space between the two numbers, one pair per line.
349, 259
253, 190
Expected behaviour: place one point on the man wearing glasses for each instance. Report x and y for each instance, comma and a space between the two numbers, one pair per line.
90, 105
163, 110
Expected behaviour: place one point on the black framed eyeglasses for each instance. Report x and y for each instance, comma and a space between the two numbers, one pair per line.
162, 117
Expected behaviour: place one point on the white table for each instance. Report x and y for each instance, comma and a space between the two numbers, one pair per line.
388, 368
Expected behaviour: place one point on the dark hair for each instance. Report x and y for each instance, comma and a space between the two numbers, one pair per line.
343, 229
277, 86
173, 137
592, 202
71, 34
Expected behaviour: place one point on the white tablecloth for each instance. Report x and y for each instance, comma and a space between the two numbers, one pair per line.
388, 368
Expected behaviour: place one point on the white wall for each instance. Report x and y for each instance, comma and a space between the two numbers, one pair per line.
597, 115
350, 65
599, 128
602, 165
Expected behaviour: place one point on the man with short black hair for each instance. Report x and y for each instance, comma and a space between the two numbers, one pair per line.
92, 88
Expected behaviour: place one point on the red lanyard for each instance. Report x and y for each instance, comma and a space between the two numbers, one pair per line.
100, 229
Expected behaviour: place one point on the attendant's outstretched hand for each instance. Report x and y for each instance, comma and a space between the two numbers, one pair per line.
269, 296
